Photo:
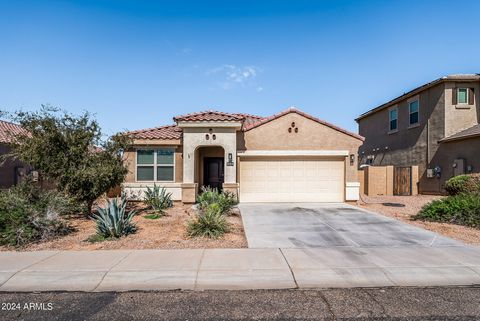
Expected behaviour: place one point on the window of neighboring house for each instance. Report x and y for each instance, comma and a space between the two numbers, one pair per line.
156, 165
462, 95
393, 116
413, 111
370, 159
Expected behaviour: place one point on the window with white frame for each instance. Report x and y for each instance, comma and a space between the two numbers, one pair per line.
393, 118
413, 108
462, 95
156, 165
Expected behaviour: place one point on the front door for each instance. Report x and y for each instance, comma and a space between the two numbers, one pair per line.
213, 172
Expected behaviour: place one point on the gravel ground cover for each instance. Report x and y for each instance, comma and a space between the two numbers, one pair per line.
413, 204
167, 232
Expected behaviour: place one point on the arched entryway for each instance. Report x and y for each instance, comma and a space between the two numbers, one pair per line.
210, 166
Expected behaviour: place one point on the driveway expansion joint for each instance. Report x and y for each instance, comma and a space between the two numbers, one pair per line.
290, 268
29, 266
108, 271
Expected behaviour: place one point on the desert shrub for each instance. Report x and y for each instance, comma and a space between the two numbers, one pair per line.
463, 184
63, 148
224, 199
462, 209
209, 222
113, 220
158, 200
28, 214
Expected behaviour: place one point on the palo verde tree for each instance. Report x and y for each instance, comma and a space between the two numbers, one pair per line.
69, 151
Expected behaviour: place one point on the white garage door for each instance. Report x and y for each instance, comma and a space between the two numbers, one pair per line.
292, 180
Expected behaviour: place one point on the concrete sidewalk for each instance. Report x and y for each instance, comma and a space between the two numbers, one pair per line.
201, 269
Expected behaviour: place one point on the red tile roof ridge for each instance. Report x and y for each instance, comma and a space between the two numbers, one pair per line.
298, 111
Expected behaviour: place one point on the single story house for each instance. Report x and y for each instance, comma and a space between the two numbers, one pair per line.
11, 171
287, 157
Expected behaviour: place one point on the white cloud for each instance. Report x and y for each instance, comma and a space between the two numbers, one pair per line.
234, 75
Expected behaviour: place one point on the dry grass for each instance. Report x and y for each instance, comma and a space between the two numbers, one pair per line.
167, 232
413, 204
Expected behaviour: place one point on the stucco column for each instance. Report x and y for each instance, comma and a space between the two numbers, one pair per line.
197, 135
188, 162
230, 170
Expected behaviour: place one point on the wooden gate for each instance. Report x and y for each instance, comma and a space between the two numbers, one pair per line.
402, 181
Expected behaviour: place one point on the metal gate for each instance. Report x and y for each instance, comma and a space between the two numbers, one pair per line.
402, 181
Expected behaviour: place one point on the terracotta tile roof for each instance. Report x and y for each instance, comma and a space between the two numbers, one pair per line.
297, 111
210, 115
163, 132
473, 131
8, 131
249, 122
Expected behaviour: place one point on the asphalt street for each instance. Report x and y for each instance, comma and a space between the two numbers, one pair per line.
447, 303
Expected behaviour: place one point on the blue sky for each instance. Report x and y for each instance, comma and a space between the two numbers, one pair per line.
136, 64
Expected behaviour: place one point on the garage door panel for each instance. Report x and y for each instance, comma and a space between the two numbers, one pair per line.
292, 180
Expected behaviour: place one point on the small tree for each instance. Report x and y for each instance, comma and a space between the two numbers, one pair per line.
64, 149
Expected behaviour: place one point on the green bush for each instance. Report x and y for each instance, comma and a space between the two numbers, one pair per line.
113, 220
158, 200
208, 223
224, 199
462, 209
463, 184
28, 214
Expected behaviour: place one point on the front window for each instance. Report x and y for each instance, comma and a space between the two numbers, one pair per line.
156, 165
413, 109
462, 96
393, 119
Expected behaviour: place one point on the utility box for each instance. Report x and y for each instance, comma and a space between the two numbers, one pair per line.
430, 173
458, 167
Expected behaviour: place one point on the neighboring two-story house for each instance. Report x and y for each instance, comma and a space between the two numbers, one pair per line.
435, 127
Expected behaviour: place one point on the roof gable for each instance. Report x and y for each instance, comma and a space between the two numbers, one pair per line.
301, 113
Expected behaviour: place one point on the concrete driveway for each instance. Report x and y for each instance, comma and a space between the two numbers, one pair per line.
307, 225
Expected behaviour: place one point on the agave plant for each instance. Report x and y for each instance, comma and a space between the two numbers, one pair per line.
208, 223
113, 220
225, 200
158, 200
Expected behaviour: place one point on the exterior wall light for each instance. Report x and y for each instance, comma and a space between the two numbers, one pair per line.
230, 159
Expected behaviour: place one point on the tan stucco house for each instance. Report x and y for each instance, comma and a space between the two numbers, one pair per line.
287, 157
434, 126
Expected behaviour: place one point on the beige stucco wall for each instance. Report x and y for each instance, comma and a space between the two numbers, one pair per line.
193, 138
311, 135
459, 117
